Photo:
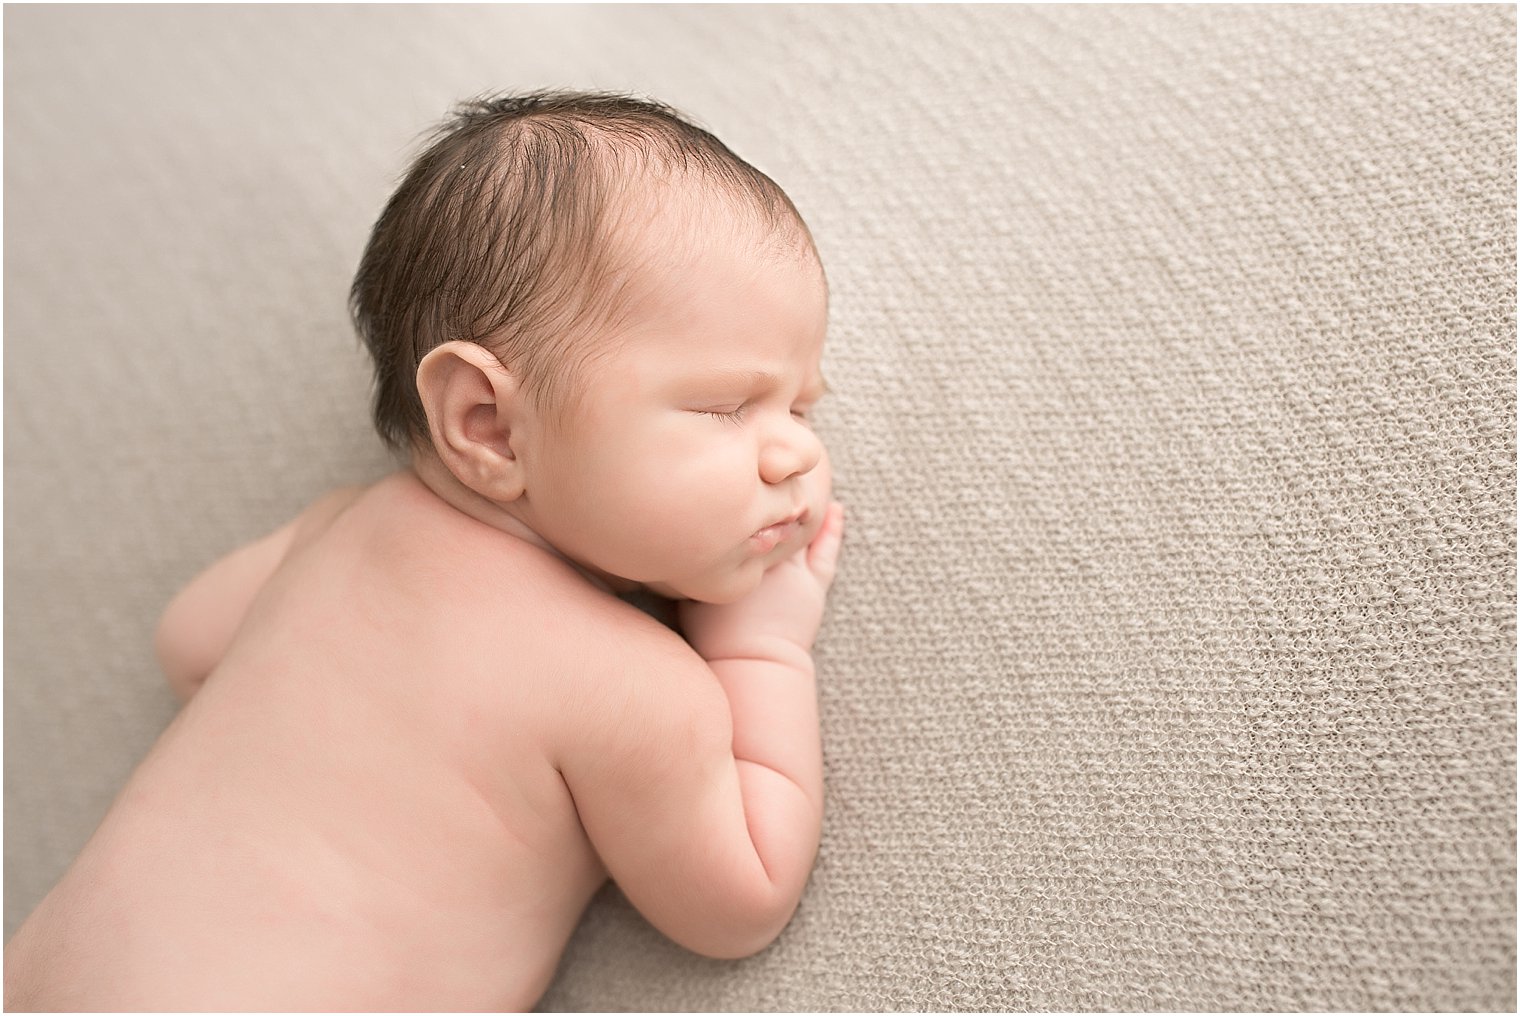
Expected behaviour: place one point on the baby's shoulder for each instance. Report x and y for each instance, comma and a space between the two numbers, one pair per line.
640, 700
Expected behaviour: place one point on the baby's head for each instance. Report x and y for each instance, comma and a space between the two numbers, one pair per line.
604, 323
524, 226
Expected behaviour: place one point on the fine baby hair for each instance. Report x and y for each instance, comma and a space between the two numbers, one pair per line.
510, 230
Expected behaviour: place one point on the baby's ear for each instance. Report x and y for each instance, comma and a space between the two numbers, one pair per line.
470, 400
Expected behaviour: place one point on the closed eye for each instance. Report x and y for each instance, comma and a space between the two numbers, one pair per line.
732, 416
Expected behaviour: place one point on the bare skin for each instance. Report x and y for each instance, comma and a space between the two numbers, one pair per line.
421, 731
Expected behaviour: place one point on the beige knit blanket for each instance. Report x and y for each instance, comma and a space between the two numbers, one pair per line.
1172, 661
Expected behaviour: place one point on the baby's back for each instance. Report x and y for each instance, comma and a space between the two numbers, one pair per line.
361, 808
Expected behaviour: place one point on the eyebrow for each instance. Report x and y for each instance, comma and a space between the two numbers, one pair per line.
759, 378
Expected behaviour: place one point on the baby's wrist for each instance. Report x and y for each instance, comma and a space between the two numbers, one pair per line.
777, 649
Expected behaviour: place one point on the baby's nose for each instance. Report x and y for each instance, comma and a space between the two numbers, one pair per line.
795, 450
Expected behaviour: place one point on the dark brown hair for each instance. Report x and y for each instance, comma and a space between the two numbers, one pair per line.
501, 234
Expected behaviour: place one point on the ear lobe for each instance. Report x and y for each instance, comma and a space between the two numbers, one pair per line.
470, 401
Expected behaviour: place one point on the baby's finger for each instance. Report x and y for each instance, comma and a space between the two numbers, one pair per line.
823, 552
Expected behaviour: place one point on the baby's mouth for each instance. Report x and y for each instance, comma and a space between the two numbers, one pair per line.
768, 539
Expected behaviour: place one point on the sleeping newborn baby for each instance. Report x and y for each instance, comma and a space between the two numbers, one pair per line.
422, 726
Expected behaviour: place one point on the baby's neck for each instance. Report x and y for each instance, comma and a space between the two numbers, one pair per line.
436, 477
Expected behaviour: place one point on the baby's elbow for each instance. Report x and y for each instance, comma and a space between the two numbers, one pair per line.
176, 657
739, 939
736, 948
733, 947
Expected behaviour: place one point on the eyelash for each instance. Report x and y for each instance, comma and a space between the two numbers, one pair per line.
737, 416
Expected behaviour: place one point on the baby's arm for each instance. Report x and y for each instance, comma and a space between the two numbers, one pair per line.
198, 625
710, 824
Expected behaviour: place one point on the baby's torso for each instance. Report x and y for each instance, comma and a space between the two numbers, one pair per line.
361, 807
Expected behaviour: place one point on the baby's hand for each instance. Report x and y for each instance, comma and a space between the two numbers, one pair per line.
782, 615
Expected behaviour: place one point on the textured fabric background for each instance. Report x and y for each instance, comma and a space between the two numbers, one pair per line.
1172, 662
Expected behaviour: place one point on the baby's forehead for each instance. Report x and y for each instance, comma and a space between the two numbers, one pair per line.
663, 233
647, 208
663, 230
